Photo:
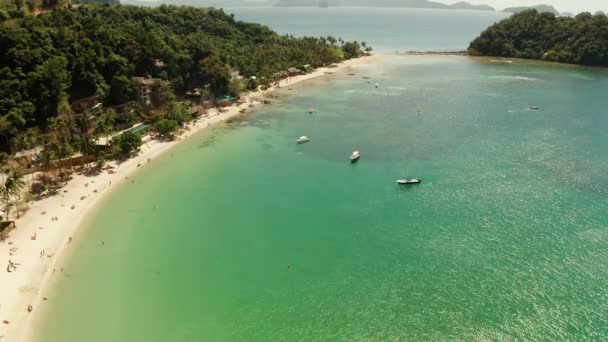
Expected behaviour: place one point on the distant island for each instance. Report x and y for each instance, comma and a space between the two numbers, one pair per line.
545, 36
381, 3
461, 5
468, 6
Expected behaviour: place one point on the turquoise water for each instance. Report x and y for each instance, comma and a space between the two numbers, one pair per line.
506, 238
385, 29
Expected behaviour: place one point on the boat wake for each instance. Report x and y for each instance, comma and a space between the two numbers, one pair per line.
513, 78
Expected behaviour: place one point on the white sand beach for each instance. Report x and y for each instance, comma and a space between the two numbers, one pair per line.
37, 244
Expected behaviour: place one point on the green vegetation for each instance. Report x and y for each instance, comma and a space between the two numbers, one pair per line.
11, 187
178, 113
166, 128
125, 145
72, 75
580, 40
539, 8
176, 116
50, 60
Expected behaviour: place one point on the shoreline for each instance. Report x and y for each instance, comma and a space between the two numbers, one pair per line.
430, 53
38, 259
493, 59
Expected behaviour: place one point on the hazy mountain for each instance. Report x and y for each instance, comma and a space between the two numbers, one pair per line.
201, 3
305, 3
466, 5
383, 3
539, 8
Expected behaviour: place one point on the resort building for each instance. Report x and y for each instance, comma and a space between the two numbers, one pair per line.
85, 112
144, 88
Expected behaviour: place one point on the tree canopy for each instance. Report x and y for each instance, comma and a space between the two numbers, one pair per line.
51, 59
580, 40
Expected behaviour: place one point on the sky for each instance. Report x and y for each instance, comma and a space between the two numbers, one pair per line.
574, 6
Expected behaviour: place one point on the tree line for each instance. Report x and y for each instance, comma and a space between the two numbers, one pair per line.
581, 40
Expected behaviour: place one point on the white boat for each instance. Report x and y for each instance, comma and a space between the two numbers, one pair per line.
355, 156
409, 181
377, 85
534, 107
303, 139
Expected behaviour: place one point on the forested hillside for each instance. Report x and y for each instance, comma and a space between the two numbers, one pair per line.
532, 35
49, 60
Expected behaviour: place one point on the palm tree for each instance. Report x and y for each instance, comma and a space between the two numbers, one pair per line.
65, 151
105, 123
30, 139
59, 138
12, 187
85, 145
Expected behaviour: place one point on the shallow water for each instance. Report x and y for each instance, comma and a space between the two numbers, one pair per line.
506, 238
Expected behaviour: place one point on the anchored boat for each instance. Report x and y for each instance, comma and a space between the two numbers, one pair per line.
407, 181
355, 156
303, 139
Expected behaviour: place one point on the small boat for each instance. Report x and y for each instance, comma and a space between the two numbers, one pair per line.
377, 85
409, 181
311, 110
534, 107
355, 156
303, 139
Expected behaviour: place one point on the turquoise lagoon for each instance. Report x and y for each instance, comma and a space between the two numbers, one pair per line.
505, 239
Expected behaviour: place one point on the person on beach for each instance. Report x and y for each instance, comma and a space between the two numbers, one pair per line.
69, 240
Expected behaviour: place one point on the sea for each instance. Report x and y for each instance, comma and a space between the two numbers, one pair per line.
385, 29
240, 234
